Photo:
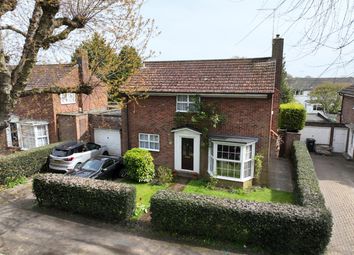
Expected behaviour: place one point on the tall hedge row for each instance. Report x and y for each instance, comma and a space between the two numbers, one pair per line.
281, 229
278, 228
24, 163
101, 199
306, 189
292, 116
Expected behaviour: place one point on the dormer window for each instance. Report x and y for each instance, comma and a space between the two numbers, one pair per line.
187, 103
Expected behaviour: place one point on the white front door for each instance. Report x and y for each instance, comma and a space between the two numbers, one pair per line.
187, 150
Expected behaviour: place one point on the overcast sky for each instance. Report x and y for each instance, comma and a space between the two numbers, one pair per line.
214, 29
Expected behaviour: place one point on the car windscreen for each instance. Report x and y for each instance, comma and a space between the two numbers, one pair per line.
92, 165
61, 153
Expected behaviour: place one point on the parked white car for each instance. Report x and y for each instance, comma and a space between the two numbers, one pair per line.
71, 155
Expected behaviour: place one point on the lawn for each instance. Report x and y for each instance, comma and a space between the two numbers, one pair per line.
258, 194
144, 192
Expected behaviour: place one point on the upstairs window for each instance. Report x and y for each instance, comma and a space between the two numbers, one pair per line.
68, 98
187, 103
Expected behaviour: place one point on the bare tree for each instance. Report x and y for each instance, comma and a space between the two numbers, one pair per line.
47, 24
325, 24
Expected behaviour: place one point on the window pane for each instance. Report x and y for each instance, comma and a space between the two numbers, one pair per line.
182, 98
192, 107
154, 138
182, 107
247, 172
228, 169
144, 137
228, 152
248, 152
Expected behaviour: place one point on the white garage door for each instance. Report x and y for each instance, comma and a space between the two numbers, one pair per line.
110, 138
339, 139
320, 134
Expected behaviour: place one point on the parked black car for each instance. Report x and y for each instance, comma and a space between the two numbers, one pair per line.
100, 167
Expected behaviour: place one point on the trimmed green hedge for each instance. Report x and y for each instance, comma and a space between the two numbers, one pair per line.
101, 199
292, 116
139, 164
24, 163
278, 228
307, 191
305, 228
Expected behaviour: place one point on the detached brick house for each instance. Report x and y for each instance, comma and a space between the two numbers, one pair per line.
245, 91
34, 121
347, 118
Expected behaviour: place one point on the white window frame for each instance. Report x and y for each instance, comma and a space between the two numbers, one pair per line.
68, 98
189, 102
149, 141
242, 161
36, 134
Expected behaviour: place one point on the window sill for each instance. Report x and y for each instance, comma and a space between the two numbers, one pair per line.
231, 178
67, 103
149, 149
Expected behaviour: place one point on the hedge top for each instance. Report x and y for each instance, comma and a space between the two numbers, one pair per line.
75, 181
292, 106
307, 190
237, 205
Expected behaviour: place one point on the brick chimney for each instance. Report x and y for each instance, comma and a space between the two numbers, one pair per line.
83, 62
277, 54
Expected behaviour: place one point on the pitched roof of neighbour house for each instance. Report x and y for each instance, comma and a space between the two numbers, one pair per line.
347, 91
224, 76
44, 76
309, 83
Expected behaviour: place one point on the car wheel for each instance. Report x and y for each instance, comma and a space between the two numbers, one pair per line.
105, 153
123, 173
77, 165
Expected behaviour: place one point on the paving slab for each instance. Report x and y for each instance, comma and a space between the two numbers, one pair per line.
336, 179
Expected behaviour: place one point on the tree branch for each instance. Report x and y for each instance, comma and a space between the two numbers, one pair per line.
12, 28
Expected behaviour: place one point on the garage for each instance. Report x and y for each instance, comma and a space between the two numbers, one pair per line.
110, 138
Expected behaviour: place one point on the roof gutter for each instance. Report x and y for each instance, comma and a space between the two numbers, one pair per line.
225, 95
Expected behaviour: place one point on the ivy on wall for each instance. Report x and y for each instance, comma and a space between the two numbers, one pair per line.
203, 119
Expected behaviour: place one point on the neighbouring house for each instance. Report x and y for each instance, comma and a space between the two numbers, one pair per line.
244, 91
327, 133
347, 118
302, 86
40, 119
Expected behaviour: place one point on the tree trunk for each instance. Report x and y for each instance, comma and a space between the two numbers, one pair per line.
5, 89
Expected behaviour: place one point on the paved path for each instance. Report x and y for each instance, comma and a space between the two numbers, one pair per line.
336, 177
25, 229
279, 174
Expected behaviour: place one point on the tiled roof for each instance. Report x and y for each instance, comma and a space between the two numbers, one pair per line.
44, 76
348, 91
255, 75
309, 83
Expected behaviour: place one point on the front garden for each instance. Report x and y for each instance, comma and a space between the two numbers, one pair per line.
278, 222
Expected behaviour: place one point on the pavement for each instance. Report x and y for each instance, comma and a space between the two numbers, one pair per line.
27, 229
336, 179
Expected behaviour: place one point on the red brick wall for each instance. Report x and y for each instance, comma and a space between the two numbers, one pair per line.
244, 117
347, 110
38, 107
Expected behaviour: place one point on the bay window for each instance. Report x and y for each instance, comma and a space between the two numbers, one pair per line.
231, 161
34, 134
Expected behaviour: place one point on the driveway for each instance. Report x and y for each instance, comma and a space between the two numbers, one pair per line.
336, 177
25, 229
